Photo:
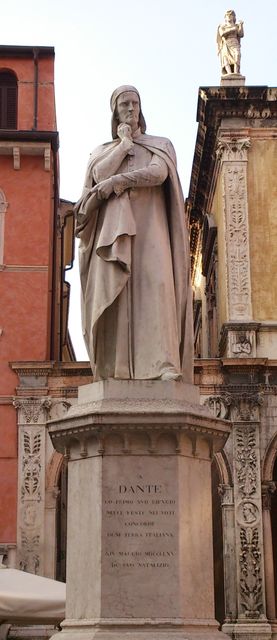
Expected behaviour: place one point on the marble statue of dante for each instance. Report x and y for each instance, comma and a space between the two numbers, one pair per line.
134, 254
228, 41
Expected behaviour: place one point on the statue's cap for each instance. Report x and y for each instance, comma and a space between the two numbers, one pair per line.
123, 89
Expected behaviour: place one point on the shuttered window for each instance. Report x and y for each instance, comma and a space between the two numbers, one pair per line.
8, 100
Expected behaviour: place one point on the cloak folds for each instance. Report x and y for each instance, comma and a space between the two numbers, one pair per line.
106, 236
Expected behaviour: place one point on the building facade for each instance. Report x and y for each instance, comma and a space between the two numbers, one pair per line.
232, 209
36, 248
232, 206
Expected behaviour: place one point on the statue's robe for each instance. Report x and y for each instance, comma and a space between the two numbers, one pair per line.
135, 269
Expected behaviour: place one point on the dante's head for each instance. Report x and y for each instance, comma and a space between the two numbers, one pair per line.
230, 16
126, 107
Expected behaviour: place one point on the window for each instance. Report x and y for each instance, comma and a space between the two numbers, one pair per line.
8, 100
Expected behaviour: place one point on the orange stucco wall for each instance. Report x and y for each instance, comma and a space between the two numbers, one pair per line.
26, 274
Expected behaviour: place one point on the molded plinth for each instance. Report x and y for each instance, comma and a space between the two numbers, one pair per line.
140, 559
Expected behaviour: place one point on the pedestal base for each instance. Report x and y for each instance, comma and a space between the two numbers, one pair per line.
251, 631
140, 559
232, 80
140, 630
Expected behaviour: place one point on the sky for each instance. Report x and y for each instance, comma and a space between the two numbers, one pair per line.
166, 48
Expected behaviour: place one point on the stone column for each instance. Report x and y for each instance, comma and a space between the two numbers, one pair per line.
229, 552
50, 546
139, 546
239, 333
268, 489
32, 414
251, 607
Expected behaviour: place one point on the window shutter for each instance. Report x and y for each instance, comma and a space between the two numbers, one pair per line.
11, 107
8, 100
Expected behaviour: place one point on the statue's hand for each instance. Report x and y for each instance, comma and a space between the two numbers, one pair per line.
124, 131
119, 184
104, 189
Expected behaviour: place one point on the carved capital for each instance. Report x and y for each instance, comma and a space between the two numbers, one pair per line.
51, 496
268, 488
226, 493
32, 410
245, 407
233, 149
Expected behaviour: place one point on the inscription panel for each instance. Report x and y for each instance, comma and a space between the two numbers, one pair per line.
140, 536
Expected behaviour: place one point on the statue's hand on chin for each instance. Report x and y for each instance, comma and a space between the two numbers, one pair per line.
124, 132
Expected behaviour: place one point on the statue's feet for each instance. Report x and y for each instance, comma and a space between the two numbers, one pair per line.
171, 374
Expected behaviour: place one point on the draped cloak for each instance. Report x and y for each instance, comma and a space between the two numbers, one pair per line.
107, 236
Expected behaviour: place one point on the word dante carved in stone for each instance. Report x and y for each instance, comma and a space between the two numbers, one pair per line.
140, 488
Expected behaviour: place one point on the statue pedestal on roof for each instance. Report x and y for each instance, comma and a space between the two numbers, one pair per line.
140, 558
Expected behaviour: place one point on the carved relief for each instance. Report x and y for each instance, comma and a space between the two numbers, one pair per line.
247, 513
32, 413
226, 493
248, 507
233, 149
251, 580
253, 112
245, 407
31, 464
218, 406
246, 459
233, 153
242, 342
31, 409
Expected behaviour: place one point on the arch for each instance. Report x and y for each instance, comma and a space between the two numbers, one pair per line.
8, 70
53, 470
8, 99
223, 468
217, 525
269, 459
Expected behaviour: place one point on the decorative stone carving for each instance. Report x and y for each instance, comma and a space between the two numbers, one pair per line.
242, 343
32, 413
251, 580
245, 407
248, 522
246, 460
247, 513
233, 149
30, 409
253, 112
233, 153
218, 405
226, 493
58, 409
239, 340
268, 488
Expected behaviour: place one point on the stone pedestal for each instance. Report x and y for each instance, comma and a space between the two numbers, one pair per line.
140, 560
232, 80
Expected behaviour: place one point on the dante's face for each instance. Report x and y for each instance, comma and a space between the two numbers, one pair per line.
128, 108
